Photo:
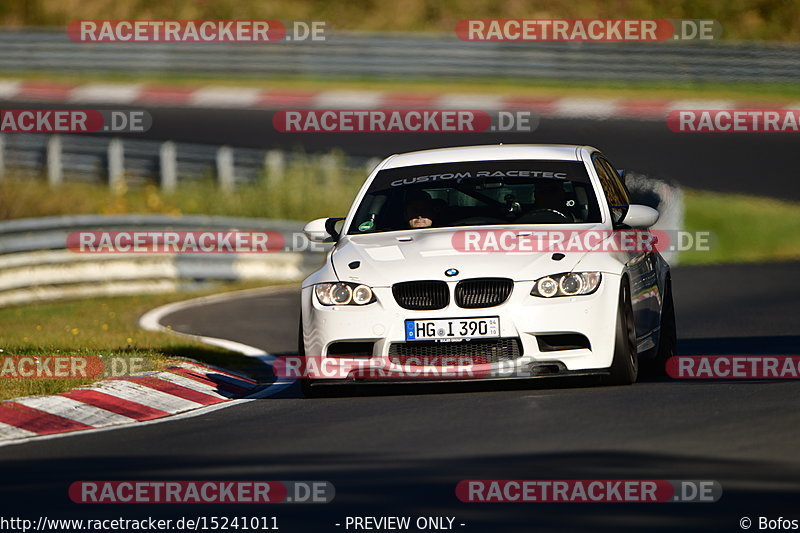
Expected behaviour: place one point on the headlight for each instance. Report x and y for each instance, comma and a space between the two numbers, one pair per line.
362, 295
547, 287
342, 293
566, 284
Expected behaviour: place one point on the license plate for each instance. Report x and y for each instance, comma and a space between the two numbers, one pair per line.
453, 329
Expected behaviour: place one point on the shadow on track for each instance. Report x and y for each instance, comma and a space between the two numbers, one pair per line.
369, 482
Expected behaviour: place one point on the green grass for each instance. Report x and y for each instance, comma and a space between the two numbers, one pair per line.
513, 87
777, 20
306, 191
106, 327
746, 228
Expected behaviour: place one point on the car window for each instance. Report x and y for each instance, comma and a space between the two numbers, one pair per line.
616, 195
620, 183
469, 193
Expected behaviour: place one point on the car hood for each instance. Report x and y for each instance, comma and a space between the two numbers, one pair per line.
381, 260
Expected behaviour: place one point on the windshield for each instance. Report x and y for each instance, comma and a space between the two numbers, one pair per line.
477, 193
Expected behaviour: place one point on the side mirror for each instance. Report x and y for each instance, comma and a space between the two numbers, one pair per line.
322, 230
640, 216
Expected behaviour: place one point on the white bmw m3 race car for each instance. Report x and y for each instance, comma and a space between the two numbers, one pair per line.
488, 262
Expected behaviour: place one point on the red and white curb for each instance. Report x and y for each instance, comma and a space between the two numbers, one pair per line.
248, 98
119, 401
187, 388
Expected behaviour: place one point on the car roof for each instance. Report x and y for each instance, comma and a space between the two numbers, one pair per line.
562, 152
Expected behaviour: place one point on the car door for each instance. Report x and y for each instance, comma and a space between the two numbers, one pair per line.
640, 264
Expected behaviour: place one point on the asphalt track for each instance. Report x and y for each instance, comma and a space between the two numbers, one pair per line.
764, 164
401, 451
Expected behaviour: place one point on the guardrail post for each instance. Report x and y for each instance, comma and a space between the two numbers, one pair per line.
168, 165
54, 174
116, 165
225, 173
275, 166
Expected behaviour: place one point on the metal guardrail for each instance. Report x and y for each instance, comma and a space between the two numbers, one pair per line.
137, 161
36, 265
407, 55
50, 233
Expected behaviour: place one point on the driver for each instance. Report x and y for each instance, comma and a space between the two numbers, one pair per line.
419, 211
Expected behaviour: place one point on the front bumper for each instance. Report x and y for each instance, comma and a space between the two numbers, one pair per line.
522, 316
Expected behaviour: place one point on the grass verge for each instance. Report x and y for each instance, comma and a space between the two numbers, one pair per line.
512, 87
746, 228
306, 191
740, 19
105, 327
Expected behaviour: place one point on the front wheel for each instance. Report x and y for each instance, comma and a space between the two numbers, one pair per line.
668, 334
306, 388
625, 365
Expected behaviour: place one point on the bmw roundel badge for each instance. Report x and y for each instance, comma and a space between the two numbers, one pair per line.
450, 272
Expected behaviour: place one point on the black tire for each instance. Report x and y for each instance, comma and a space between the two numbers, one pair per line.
305, 383
668, 333
306, 388
625, 365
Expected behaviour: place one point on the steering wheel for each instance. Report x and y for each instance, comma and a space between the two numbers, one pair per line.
544, 215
